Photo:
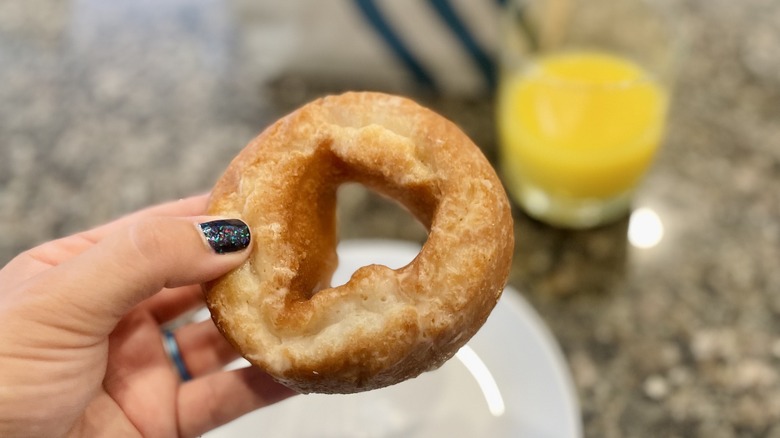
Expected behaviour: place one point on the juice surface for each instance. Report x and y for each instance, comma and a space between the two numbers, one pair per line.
579, 124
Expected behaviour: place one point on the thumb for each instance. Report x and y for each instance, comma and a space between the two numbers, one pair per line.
107, 281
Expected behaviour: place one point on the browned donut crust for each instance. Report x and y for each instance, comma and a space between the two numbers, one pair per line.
384, 326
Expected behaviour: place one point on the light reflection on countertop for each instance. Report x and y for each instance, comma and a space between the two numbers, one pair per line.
645, 228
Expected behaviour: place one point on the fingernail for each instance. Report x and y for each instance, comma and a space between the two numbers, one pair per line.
226, 235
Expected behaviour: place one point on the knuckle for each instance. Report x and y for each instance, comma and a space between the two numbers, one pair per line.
148, 240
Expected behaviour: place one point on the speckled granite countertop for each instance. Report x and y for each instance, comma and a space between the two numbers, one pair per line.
103, 112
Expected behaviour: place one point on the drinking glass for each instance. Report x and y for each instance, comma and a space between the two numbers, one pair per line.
582, 102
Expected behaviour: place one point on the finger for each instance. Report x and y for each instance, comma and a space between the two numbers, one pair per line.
105, 282
36, 260
203, 348
216, 399
170, 304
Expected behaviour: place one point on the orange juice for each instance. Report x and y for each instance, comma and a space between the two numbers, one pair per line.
577, 129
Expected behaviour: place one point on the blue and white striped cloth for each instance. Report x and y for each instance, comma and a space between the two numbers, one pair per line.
448, 46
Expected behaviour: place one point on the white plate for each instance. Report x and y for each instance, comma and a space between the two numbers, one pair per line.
509, 381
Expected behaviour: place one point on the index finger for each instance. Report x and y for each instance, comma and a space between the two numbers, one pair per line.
216, 399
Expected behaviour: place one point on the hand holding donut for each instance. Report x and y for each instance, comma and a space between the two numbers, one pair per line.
81, 348
81, 352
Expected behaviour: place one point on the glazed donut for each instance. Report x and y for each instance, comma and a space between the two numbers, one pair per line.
383, 326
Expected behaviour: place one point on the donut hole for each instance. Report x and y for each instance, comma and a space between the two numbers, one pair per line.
381, 218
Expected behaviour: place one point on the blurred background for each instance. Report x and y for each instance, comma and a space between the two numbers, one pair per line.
669, 319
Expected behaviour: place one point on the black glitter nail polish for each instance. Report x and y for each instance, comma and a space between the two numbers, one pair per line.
228, 235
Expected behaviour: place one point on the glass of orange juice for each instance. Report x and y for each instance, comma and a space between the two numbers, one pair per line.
581, 105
